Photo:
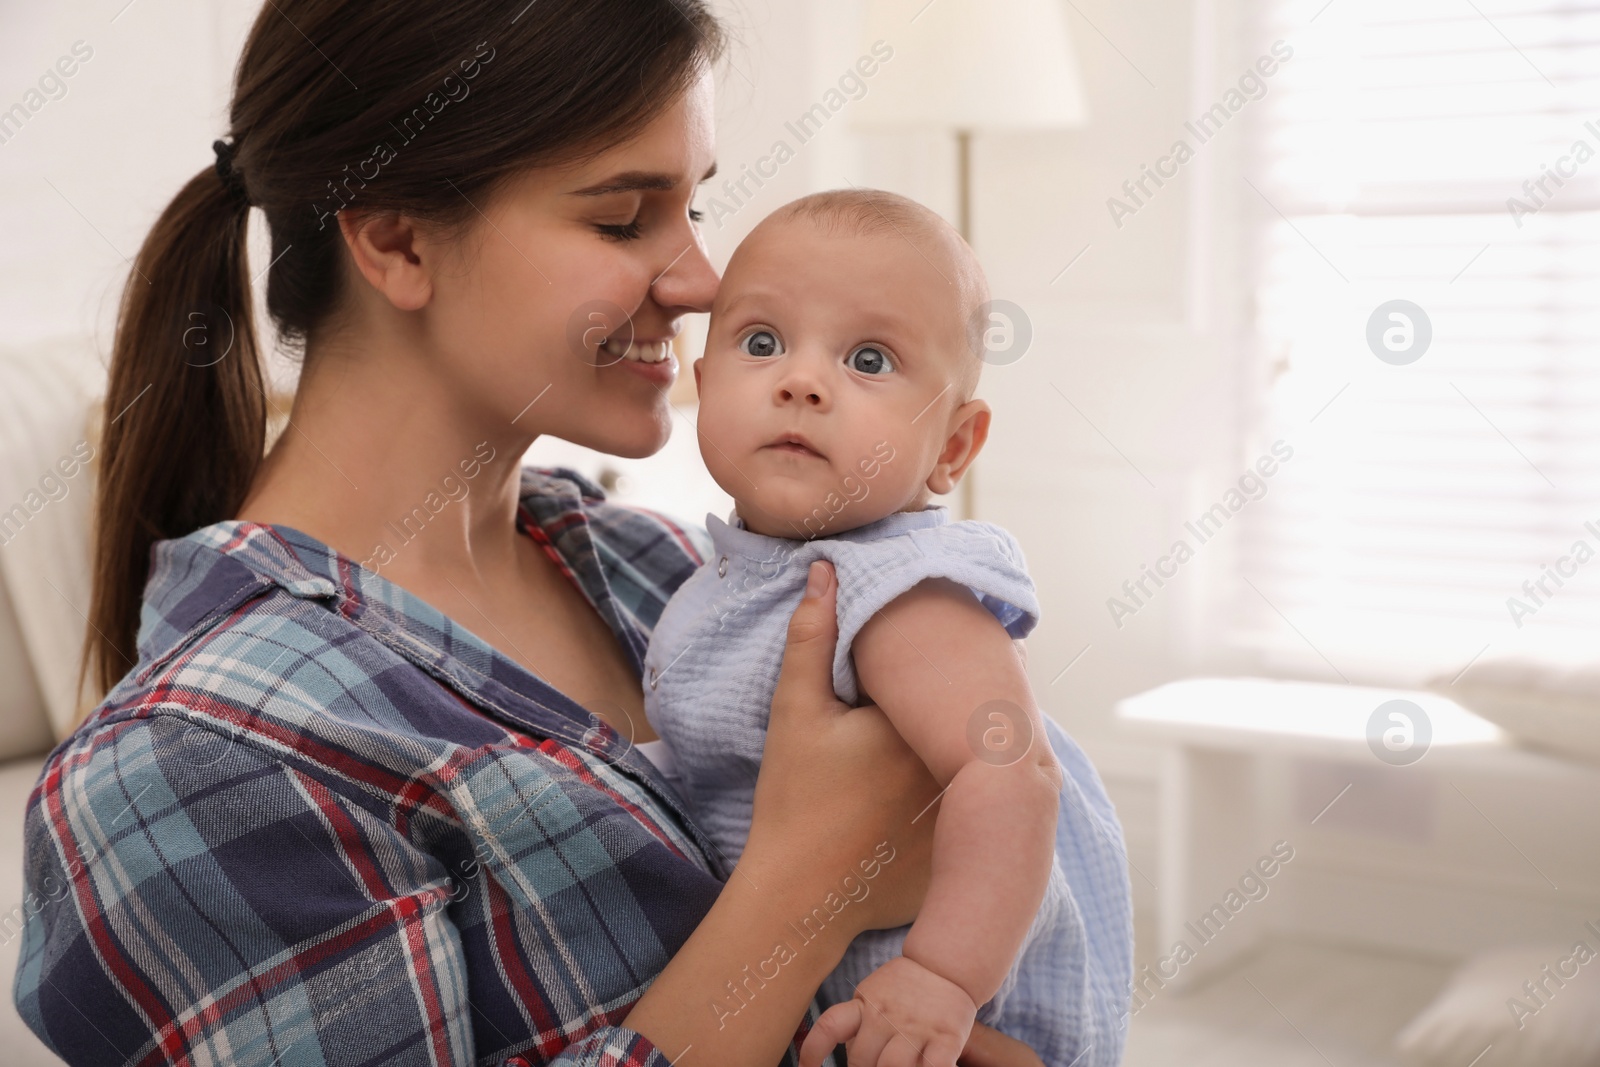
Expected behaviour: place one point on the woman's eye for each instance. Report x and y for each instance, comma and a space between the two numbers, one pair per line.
761, 343
626, 231
869, 359
696, 215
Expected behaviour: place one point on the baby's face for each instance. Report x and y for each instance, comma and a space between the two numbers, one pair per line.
831, 378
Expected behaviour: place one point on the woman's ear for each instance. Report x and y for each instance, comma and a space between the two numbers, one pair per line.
388, 251
970, 429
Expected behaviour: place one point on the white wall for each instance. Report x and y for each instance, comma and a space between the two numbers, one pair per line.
88, 173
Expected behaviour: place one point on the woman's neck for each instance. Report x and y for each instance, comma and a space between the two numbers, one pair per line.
377, 464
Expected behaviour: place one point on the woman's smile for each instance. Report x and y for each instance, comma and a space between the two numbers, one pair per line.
662, 372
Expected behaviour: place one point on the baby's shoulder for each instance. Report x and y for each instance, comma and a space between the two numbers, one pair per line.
961, 546
979, 555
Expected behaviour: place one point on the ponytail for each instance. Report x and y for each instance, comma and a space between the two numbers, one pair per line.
185, 409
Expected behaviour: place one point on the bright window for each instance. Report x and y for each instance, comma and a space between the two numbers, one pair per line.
1423, 496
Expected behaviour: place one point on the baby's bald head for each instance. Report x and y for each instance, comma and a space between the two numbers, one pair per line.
951, 261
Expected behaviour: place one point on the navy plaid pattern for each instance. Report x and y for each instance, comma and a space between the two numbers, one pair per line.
319, 823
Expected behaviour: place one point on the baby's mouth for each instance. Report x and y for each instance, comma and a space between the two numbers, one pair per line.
639, 351
795, 444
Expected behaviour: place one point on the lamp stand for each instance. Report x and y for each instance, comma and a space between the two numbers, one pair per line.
967, 496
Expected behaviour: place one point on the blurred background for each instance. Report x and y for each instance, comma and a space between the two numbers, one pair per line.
1295, 376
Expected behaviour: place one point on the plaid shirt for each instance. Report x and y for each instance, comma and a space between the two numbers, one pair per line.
320, 823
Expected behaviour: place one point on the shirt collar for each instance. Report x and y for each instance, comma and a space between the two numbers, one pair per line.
207, 575
733, 538
200, 577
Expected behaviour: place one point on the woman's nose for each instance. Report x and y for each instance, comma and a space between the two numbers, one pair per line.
689, 280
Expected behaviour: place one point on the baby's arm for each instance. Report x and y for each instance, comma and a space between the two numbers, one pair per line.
930, 660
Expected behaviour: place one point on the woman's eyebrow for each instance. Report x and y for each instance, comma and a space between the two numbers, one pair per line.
636, 180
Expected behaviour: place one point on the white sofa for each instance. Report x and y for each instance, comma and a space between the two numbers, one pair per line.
22, 1048
48, 407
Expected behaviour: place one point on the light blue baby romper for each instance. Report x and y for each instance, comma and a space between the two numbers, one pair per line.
710, 673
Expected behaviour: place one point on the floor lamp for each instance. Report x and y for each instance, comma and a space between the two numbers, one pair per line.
964, 66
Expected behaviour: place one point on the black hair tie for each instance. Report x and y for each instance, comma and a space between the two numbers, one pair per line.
231, 179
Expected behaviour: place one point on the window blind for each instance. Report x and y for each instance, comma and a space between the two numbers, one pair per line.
1445, 153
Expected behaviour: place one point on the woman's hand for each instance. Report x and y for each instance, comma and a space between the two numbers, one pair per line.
840, 795
839, 843
987, 1047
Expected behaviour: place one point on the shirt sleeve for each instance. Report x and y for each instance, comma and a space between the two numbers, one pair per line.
192, 899
981, 556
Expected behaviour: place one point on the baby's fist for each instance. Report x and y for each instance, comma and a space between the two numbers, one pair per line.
902, 1015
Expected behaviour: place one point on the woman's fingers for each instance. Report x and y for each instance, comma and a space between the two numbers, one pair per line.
987, 1047
838, 786
805, 682
835, 1026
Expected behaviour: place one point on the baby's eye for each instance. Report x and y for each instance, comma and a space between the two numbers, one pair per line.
761, 343
869, 359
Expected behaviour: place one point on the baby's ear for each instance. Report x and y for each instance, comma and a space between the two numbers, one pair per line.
970, 429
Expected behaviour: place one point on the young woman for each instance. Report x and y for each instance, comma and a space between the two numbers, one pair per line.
362, 787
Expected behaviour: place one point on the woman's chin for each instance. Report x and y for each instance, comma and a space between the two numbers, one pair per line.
636, 441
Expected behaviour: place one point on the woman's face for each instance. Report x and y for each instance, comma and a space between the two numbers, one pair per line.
565, 258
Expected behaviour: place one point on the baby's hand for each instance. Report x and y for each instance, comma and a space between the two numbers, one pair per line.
902, 1015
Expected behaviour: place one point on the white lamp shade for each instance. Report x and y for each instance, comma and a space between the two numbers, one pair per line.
972, 64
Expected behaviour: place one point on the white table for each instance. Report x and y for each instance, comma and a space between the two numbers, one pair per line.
1212, 732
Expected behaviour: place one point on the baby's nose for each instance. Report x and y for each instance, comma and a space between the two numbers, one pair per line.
803, 383
810, 394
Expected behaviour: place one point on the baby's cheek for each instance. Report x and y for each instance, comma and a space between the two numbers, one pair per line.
727, 408
866, 488
712, 438
887, 467
718, 419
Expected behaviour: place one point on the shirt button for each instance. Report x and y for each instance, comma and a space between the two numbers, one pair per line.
653, 678
722, 567
310, 587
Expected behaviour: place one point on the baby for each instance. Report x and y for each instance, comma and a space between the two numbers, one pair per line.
836, 398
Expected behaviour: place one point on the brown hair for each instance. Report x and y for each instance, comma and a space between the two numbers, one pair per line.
415, 105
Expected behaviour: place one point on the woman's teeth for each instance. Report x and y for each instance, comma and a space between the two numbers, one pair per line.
637, 351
